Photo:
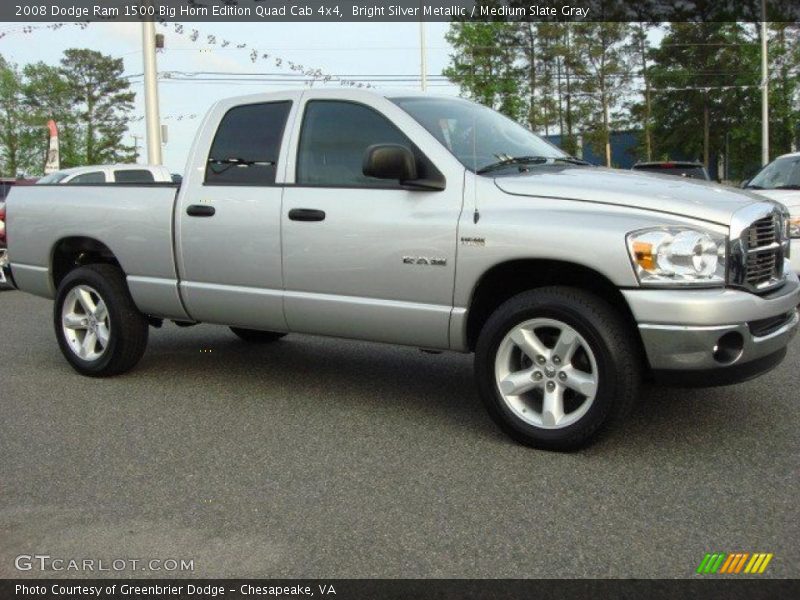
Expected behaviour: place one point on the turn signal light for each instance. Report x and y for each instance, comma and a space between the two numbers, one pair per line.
643, 253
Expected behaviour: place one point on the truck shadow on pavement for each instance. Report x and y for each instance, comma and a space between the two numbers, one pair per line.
414, 386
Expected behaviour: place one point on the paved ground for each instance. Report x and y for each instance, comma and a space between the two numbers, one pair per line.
315, 457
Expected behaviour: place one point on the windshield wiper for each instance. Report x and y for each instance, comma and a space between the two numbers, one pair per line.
788, 186
529, 160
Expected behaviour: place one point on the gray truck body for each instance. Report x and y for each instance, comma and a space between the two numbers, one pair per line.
404, 266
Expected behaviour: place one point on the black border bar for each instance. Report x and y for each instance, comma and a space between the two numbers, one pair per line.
706, 587
395, 10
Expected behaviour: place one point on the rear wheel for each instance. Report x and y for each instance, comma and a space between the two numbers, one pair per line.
254, 336
99, 329
555, 366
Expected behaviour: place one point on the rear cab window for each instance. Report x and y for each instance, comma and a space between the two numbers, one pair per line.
247, 143
134, 176
91, 177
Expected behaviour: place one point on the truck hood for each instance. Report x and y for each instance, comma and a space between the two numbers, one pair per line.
697, 199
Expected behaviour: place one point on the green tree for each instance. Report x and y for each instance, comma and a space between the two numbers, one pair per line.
639, 49
48, 95
784, 59
601, 60
485, 65
90, 100
18, 150
704, 97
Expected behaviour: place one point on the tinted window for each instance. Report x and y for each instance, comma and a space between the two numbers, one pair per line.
246, 146
333, 141
93, 177
52, 178
134, 176
4, 189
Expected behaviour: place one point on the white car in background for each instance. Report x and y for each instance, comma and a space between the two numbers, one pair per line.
780, 181
124, 173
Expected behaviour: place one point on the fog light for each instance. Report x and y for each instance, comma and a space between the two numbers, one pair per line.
729, 348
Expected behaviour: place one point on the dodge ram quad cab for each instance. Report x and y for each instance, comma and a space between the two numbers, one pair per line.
424, 221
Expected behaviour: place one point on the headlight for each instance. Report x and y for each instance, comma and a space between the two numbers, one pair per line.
666, 256
794, 227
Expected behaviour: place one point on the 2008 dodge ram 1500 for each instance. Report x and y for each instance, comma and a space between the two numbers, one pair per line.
425, 221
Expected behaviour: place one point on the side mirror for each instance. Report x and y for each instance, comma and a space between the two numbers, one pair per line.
390, 161
744, 183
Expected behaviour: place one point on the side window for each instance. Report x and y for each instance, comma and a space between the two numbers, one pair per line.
246, 146
134, 176
333, 141
92, 177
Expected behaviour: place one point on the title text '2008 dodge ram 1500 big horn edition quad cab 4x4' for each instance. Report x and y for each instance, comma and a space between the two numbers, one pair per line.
424, 221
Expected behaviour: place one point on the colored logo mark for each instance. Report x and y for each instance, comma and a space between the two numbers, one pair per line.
723, 563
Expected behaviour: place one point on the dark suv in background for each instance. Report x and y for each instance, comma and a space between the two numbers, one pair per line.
692, 170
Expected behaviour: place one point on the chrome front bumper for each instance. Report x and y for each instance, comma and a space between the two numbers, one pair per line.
715, 330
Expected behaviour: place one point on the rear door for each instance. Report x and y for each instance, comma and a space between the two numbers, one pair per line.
229, 219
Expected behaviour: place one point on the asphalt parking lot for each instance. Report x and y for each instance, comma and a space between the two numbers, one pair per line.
315, 457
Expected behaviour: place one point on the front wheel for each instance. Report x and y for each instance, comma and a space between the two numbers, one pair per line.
99, 329
555, 365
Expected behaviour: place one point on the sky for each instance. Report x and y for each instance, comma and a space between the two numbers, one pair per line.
353, 49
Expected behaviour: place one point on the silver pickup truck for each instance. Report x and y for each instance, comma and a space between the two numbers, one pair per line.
430, 222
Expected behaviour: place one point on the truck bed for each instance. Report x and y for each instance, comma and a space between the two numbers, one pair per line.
136, 220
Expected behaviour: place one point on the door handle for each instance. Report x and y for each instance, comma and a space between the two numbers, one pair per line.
201, 210
306, 214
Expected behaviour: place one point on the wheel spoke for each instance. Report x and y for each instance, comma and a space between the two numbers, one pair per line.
566, 345
518, 383
583, 383
74, 321
553, 406
529, 343
102, 335
85, 298
88, 344
100, 311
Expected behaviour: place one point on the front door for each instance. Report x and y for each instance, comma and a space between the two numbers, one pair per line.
364, 258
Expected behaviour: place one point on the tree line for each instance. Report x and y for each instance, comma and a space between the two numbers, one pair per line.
689, 90
88, 97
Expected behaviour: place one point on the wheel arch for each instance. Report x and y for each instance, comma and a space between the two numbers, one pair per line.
72, 252
507, 279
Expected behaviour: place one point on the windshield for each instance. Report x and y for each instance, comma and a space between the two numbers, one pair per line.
52, 178
783, 173
477, 136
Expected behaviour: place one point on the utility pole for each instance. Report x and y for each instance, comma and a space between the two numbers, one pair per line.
151, 93
764, 87
423, 59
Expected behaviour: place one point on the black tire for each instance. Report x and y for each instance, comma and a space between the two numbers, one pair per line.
128, 328
611, 340
254, 336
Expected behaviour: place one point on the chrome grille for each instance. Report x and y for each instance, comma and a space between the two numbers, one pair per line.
762, 253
